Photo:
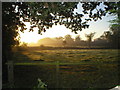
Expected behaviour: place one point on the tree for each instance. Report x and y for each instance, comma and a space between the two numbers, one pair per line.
69, 40
44, 15
64, 43
59, 41
77, 40
24, 44
113, 35
89, 38
100, 42
115, 28
107, 35
59, 38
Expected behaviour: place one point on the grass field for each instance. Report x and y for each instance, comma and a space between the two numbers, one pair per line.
67, 68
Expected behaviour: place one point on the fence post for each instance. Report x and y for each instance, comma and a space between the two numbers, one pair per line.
57, 74
10, 73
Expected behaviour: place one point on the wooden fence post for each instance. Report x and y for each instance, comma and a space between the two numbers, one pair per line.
10, 73
57, 74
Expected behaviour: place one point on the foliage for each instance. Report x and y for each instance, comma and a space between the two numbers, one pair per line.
64, 43
89, 38
77, 40
40, 85
115, 29
106, 35
24, 44
69, 40
58, 42
44, 15
113, 35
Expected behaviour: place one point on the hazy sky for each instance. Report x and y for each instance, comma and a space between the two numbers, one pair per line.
60, 30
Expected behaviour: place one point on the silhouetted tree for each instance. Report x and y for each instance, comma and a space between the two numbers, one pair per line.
44, 15
115, 37
115, 27
101, 42
69, 40
59, 38
77, 40
89, 38
59, 41
107, 35
64, 43
24, 44
47, 41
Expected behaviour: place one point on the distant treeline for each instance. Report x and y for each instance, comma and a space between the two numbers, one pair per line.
69, 42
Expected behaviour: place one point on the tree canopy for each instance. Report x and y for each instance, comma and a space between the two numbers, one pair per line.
89, 38
46, 14
113, 35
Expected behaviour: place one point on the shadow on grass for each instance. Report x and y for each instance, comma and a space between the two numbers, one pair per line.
68, 76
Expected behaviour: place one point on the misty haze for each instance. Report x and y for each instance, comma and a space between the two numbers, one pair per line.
64, 45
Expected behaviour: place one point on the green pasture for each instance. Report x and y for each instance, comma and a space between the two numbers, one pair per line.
73, 56
67, 68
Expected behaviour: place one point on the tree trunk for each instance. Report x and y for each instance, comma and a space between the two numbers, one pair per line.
89, 45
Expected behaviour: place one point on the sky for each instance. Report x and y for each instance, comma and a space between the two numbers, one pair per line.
60, 30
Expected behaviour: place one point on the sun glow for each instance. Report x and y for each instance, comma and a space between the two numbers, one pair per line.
29, 37
33, 37
60, 30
